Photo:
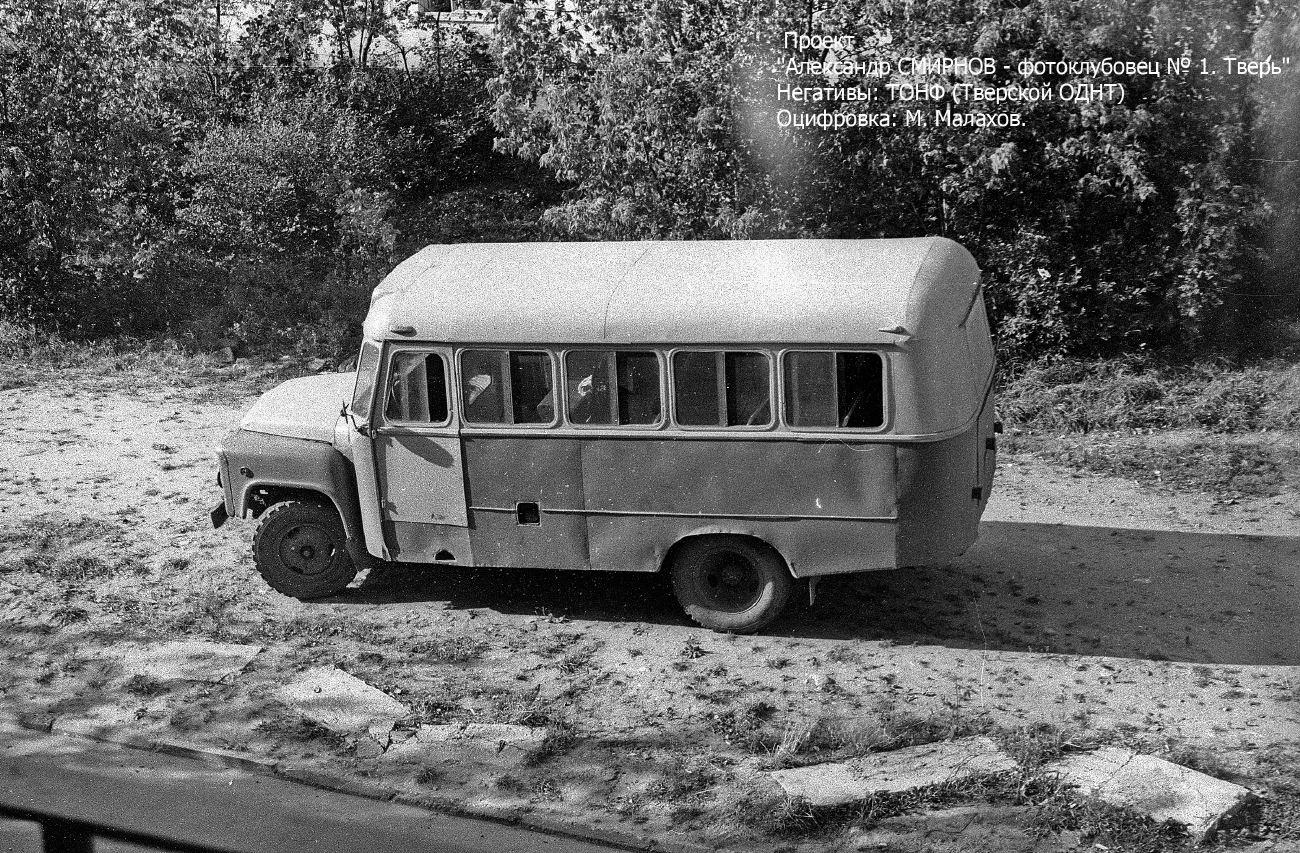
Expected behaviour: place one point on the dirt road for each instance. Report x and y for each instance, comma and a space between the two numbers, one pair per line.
1089, 605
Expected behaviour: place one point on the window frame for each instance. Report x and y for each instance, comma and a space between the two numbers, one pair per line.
773, 388
507, 386
886, 410
385, 388
360, 393
658, 354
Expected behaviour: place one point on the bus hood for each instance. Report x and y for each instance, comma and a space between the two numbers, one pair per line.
307, 408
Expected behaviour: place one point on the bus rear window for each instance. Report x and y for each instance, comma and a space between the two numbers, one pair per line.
835, 390
506, 387
611, 388
722, 389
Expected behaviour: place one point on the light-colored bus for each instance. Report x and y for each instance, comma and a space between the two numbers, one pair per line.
739, 414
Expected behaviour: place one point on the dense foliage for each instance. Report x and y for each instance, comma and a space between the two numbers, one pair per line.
165, 171
1102, 226
161, 170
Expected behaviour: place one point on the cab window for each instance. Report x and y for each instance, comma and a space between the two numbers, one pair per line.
722, 389
417, 388
612, 388
506, 387
828, 390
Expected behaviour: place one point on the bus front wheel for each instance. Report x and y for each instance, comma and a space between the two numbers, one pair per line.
298, 549
730, 583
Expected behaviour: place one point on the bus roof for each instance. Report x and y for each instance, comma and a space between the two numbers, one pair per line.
715, 291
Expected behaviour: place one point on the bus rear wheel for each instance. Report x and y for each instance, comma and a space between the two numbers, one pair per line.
298, 549
730, 583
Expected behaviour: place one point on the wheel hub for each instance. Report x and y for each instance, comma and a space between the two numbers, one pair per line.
731, 583
307, 549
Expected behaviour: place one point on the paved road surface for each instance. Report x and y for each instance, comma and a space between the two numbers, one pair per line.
225, 809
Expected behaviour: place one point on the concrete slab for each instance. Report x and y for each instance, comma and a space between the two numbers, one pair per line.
495, 735
1153, 786
496, 745
340, 702
900, 770
188, 660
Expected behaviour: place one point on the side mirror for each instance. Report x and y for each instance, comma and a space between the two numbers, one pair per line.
363, 429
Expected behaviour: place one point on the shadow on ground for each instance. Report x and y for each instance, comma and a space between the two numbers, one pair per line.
1196, 597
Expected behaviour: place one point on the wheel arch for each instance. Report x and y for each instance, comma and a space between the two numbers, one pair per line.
265, 470
721, 531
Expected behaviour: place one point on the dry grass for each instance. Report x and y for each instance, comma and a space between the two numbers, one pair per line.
1204, 427
1134, 394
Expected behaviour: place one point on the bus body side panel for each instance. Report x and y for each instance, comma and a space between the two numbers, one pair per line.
810, 547
827, 508
412, 542
706, 477
501, 473
938, 515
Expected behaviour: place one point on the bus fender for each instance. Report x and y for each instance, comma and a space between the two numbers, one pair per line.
716, 529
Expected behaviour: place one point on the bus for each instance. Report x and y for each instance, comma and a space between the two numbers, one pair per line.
738, 414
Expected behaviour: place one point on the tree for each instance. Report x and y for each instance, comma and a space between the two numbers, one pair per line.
94, 116
1103, 225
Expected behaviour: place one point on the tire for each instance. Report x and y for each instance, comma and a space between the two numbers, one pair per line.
298, 549
730, 583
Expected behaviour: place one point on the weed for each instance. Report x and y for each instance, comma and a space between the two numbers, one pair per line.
1034, 745
578, 659
791, 816
143, 685
557, 643
746, 726
1099, 823
510, 783
428, 776
427, 710
298, 728
458, 649
844, 654
560, 738
1200, 760
69, 614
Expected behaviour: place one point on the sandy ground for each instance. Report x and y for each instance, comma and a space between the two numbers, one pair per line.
1109, 611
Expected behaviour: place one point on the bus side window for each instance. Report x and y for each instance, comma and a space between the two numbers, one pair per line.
587, 387
722, 389
859, 377
531, 400
638, 387
417, 388
481, 381
810, 389
506, 387
829, 390
612, 387
749, 389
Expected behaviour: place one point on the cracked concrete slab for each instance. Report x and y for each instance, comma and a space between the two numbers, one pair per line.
495, 744
900, 770
1153, 786
188, 660
340, 702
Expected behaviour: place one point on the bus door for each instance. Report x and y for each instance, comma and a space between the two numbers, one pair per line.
419, 468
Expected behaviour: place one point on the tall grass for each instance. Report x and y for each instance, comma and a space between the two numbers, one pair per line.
1128, 394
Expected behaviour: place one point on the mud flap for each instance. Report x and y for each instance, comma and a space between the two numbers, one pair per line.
219, 514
